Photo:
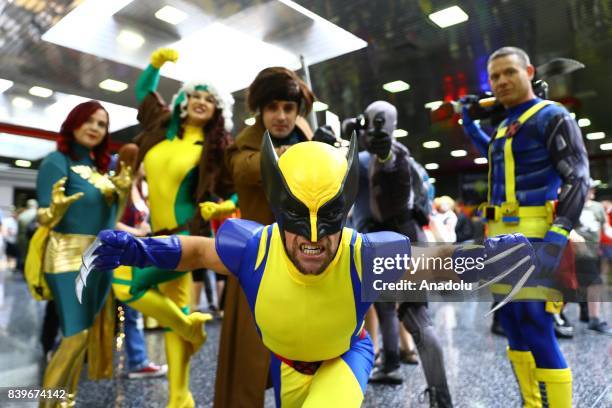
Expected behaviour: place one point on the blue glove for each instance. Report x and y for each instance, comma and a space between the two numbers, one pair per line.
120, 248
465, 115
505, 257
549, 253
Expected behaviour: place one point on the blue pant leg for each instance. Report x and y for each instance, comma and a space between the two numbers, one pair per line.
134, 340
510, 317
539, 333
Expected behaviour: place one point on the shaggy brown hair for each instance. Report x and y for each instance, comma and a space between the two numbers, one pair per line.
281, 84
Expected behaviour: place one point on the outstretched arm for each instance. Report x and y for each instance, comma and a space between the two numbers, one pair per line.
200, 253
175, 253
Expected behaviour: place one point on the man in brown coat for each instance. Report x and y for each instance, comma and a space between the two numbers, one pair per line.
279, 97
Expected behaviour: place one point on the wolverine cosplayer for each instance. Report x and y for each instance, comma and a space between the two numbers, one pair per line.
303, 275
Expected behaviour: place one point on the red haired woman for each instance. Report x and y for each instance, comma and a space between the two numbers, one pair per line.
78, 199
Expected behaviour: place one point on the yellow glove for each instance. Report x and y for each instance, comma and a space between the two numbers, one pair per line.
210, 210
52, 215
162, 55
123, 180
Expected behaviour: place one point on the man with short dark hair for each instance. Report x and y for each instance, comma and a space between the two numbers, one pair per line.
535, 151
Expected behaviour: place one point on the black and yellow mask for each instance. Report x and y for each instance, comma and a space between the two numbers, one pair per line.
311, 188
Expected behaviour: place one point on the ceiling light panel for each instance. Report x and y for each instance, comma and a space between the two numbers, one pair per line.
584, 122
21, 103
298, 32
5, 84
431, 144
40, 92
396, 86
433, 105
23, 163
113, 85
449, 17
171, 15
130, 39
595, 135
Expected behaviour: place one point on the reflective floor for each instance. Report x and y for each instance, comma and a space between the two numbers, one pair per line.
479, 375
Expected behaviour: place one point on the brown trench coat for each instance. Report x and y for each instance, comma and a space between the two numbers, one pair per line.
242, 370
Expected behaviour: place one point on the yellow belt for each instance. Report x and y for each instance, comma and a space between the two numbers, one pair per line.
531, 221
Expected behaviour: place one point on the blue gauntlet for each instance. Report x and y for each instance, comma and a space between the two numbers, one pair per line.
506, 257
120, 248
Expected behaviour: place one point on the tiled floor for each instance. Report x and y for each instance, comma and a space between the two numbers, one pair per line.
478, 372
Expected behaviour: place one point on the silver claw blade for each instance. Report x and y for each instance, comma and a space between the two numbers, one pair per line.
503, 254
514, 290
86, 267
503, 275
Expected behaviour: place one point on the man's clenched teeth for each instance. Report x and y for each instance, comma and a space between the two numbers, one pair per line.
310, 249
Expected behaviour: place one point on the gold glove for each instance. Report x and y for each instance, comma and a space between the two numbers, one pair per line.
162, 55
123, 180
210, 210
52, 215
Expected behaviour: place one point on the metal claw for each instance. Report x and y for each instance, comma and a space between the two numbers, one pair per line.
514, 290
503, 275
80, 284
87, 260
504, 254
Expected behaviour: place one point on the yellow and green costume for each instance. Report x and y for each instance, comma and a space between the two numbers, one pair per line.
171, 164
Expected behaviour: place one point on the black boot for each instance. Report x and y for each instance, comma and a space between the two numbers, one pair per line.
584, 312
389, 372
439, 397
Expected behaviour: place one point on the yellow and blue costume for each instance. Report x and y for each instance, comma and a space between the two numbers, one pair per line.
321, 354
536, 150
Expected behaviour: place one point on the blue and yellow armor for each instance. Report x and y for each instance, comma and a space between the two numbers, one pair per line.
535, 151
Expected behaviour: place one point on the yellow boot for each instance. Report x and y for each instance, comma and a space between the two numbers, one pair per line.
523, 366
555, 387
168, 314
64, 368
178, 352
